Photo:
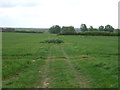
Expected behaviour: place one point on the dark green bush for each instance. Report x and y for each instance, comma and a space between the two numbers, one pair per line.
57, 41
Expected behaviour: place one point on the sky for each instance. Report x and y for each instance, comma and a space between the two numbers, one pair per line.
46, 13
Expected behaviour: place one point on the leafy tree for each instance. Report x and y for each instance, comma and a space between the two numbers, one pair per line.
117, 30
109, 28
55, 29
68, 30
95, 29
83, 27
101, 28
91, 28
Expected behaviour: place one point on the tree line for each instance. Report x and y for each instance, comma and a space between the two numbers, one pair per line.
70, 30
108, 28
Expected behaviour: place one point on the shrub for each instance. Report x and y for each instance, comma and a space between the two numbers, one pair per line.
57, 41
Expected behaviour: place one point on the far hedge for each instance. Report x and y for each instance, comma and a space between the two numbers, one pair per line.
99, 33
28, 31
93, 33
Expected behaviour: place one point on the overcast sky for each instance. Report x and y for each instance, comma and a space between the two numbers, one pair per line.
45, 13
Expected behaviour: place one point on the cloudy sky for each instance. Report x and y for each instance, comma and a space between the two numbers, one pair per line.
45, 13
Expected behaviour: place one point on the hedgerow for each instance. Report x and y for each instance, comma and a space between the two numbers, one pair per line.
93, 33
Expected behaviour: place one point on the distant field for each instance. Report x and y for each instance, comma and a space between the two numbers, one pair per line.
79, 62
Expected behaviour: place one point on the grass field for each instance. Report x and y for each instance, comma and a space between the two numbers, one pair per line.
79, 62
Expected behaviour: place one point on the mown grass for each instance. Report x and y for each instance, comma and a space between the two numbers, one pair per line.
89, 60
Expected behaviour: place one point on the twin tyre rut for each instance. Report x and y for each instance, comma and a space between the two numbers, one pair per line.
47, 81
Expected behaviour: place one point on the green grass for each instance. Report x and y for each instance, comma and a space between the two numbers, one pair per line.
79, 62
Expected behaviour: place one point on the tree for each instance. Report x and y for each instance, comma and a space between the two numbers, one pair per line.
109, 28
83, 27
101, 28
55, 29
91, 28
68, 30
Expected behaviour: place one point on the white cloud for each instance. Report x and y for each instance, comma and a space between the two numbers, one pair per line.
16, 3
45, 13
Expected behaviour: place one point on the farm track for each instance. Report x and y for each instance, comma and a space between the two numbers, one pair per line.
46, 79
81, 80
